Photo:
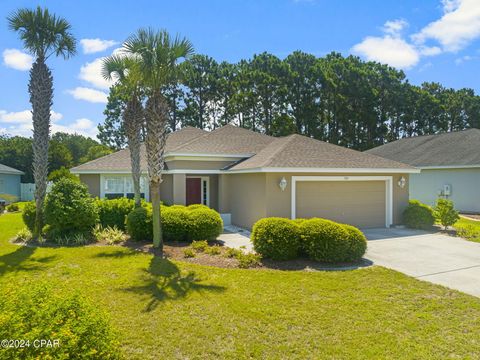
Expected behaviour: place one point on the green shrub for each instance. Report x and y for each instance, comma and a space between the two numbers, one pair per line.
276, 238
248, 260
196, 206
299, 221
468, 231
357, 243
113, 212
175, 222
232, 253
13, 207
445, 212
199, 245
70, 239
418, 215
69, 209
325, 240
36, 312
24, 235
62, 173
189, 253
213, 250
139, 224
28, 215
204, 224
109, 235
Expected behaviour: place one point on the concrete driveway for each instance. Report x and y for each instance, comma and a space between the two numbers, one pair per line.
434, 257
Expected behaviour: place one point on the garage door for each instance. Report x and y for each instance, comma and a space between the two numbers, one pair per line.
359, 203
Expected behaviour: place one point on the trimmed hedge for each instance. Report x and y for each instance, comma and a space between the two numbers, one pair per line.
178, 223
276, 238
204, 223
357, 243
113, 212
418, 215
139, 224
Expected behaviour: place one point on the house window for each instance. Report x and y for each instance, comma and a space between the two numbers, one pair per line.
121, 186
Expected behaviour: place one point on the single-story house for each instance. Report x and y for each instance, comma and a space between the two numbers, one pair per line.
246, 176
10, 181
449, 163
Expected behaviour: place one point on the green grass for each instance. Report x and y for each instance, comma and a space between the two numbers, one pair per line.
468, 229
164, 309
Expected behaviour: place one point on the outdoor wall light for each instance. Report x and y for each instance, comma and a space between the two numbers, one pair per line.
283, 184
402, 182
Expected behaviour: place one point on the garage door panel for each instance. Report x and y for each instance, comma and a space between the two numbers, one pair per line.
360, 203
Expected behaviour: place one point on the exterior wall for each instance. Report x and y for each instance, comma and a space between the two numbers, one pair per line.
10, 184
279, 202
246, 198
93, 183
166, 189
197, 165
465, 187
179, 191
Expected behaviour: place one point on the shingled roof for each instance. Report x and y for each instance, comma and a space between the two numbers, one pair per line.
460, 148
257, 150
297, 151
4, 169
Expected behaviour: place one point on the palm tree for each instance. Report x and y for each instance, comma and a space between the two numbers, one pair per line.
43, 35
125, 69
158, 55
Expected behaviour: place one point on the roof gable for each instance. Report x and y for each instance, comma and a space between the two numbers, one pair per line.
4, 169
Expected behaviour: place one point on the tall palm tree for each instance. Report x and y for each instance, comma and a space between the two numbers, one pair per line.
158, 55
125, 69
43, 35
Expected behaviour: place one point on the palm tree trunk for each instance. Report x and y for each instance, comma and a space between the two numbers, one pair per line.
40, 88
132, 119
157, 121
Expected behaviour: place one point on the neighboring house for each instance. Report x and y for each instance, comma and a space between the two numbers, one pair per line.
10, 181
247, 176
449, 163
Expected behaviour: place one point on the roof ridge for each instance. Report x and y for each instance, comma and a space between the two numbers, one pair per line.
288, 139
205, 133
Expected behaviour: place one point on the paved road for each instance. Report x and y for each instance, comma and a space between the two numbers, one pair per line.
434, 257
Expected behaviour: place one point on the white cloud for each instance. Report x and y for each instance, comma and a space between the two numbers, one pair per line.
91, 46
394, 27
17, 59
390, 50
90, 95
429, 50
91, 72
459, 25
463, 59
25, 116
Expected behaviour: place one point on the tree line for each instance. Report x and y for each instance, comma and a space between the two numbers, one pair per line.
64, 151
342, 100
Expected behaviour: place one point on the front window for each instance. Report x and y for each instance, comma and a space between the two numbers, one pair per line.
122, 186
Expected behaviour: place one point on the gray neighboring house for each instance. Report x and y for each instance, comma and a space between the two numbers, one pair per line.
10, 181
449, 163
246, 176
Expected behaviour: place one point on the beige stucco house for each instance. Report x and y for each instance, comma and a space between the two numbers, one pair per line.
247, 176
449, 163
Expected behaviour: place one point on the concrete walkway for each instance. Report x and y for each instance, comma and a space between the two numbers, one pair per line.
237, 238
434, 257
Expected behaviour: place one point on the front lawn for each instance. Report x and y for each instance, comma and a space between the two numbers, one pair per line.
468, 229
167, 309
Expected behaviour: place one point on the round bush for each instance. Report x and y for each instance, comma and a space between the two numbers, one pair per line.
196, 206
36, 312
113, 212
276, 238
175, 221
12, 207
325, 240
418, 215
204, 224
357, 243
69, 208
139, 224
28, 214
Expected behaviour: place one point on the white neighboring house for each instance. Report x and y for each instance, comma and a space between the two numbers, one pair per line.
449, 163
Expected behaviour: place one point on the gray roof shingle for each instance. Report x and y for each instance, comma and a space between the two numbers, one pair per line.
460, 148
4, 169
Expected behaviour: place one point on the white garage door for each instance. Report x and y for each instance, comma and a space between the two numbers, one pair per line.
359, 203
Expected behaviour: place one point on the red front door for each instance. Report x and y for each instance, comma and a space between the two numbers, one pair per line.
194, 191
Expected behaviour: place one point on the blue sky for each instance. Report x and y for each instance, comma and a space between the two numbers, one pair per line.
431, 40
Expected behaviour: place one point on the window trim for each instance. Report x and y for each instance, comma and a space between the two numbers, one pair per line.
103, 191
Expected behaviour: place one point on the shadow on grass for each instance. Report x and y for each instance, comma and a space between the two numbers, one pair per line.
163, 280
117, 254
20, 260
